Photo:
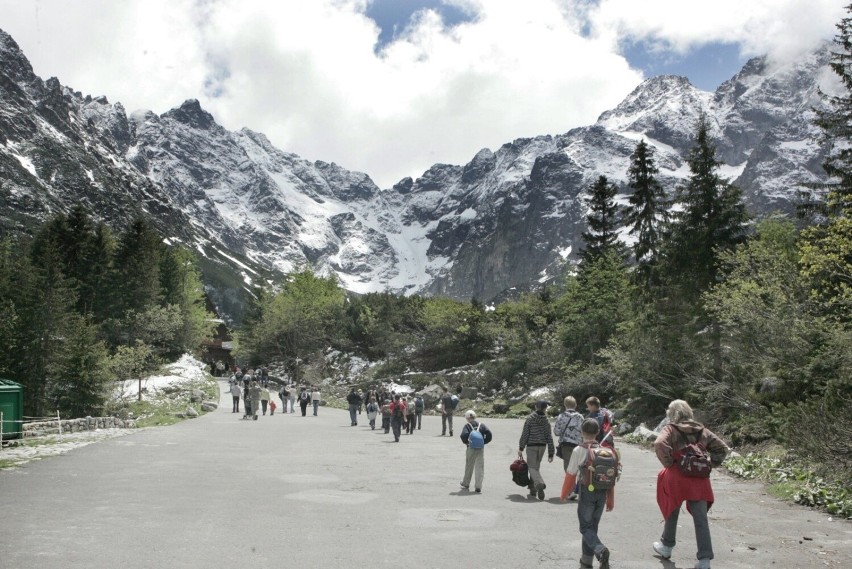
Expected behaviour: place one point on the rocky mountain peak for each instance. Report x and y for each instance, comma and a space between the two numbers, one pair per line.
190, 113
13, 62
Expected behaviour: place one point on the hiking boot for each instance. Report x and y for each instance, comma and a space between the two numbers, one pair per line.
703, 564
663, 551
541, 493
586, 562
603, 558
478, 490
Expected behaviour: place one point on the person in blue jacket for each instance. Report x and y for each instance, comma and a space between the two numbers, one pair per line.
475, 436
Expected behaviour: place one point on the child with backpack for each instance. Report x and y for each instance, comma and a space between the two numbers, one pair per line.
386, 416
475, 436
688, 452
605, 420
372, 412
596, 467
418, 410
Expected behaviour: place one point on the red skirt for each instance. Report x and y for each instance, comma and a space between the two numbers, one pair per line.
674, 488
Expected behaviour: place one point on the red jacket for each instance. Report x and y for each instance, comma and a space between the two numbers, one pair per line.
674, 487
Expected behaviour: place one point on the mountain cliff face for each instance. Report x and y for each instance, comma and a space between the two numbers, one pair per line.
509, 218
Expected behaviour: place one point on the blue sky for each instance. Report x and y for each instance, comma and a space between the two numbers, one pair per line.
706, 66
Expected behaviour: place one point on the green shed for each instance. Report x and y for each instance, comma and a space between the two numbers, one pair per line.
12, 407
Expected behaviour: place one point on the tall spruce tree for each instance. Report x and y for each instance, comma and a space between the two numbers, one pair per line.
827, 248
135, 279
836, 123
711, 218
602, 219
647, 211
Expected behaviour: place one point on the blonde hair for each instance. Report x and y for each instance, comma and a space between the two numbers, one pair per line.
679, 411
570, 402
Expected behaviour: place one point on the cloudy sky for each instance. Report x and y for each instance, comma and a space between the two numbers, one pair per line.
389, 87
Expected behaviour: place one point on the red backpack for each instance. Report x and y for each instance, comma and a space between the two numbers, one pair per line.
693, 459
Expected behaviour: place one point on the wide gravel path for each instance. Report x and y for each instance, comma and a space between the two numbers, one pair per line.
286, 491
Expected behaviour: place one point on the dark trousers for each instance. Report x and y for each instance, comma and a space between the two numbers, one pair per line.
304, 406
419, 415
702, 529
409, 425
247, 405
590, 508
396, 423
236, 399
263, 404
386, 423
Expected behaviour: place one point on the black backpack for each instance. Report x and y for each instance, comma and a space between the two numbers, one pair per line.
520, 472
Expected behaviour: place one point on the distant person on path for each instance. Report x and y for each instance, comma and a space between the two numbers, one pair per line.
264, 376
256, 394
418, 410
397, 409
567, 430
284, 395
304, 399
292, 391
272, 407
363, 402
372, 412
605, 419
410, 418
386, 416
246, 402
354, 401
315, 399
592, 499
264, 399
475, 436
235, 395
536, 439
685, 477
446, 412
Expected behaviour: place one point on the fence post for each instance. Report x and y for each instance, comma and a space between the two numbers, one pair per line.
1, 431
59, 424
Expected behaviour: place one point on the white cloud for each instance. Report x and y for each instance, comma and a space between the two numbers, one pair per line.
781, 28
306, 72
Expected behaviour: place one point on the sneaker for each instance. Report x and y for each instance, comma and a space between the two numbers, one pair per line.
662, 550
541, 493
572, 496
603, 558
703, 564
465, 486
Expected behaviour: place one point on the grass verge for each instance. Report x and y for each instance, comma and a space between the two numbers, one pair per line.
796, 482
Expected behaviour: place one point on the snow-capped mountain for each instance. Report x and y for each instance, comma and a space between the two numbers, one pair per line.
509, 218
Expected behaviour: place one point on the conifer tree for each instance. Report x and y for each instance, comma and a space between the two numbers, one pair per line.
135, 279
646, 212
836, 123
602, 219
712, 218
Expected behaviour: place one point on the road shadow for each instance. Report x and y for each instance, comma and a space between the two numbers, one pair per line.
521, 499
465, 493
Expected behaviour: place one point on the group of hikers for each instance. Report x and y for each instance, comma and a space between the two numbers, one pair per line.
591, 463
686, 450
252, 387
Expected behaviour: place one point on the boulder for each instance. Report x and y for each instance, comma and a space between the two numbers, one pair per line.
469, 392
662, 425
623, 429
518, 398
645, 433
208, 406
197, 396
191, 413
501, 408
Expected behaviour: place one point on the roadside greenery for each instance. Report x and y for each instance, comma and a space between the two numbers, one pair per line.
84, 307
794, 481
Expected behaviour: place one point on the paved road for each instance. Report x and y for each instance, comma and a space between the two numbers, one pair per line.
287, 491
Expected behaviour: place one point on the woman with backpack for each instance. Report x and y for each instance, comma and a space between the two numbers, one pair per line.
475, 436
687, 452
304, 399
